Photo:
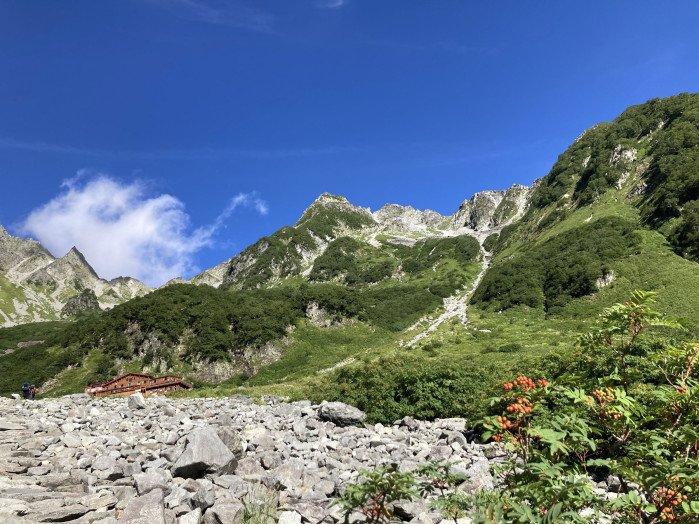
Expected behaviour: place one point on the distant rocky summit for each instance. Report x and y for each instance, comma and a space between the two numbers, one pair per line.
36, 286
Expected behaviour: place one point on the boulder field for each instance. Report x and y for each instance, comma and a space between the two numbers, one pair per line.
209, 460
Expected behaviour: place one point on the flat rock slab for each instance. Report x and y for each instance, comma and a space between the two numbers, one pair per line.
63, 514
6, 425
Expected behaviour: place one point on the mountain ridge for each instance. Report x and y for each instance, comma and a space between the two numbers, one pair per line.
35, 286
43, 283
330, 217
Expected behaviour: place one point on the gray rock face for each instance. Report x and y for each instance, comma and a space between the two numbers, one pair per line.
341, 414
204, 453
48, 283
152, 479
225, 513
147, 509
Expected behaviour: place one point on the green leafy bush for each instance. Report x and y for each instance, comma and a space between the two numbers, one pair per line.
644, 433
490, 242
390, 389
639, 425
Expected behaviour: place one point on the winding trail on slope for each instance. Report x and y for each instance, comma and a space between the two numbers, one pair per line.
456, 305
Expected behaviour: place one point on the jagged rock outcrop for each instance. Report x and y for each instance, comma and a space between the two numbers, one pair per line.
406, 219
26, 255
212, 277
489, 209
36, 286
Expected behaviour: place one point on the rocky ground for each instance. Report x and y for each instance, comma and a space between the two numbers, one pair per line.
190, 461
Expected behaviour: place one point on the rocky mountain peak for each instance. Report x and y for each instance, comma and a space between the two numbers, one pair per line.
338, 202
14, 250
42, 284
493, 208
76, 258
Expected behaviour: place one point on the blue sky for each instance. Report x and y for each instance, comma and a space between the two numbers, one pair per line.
161, 137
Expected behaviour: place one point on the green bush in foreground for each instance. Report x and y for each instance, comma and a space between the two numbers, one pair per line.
644, 434
392, 388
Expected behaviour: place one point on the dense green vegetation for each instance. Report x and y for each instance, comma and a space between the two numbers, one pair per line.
550, 274
356, 263
626, 410
353, 262
36, 363
208, 324
392, 388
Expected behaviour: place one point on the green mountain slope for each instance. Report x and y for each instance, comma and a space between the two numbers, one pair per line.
648, 157
607, 213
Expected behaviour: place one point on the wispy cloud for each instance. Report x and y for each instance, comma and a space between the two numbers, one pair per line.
232, 14
179, 154
42, 147
248, 200
123, 231
330, 4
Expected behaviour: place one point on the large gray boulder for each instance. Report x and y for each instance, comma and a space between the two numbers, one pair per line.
147, 509
340, 414
204, 453
478, 477
136, 401
152, 479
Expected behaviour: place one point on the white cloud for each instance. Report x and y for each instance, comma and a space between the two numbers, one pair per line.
124, 232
